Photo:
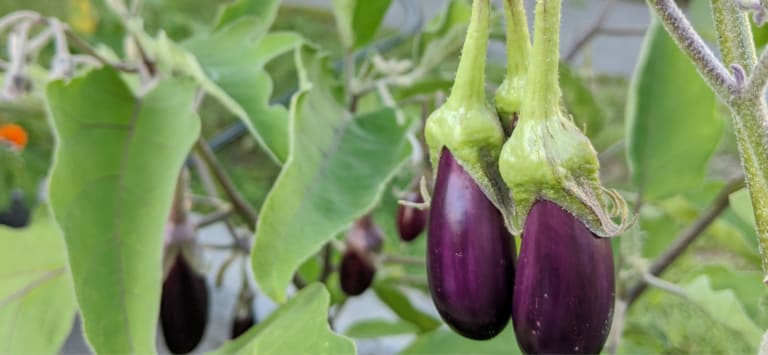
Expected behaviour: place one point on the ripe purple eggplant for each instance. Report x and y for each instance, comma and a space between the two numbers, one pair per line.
470, 258
411, 221
564, 291
364, 241
183, 307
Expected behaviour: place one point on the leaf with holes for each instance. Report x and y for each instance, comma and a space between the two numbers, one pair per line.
115, 167
37, 304
337, 170
672, 122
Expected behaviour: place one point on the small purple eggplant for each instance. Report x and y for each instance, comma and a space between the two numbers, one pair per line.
242, 323
470, 258
564, 291
17, 214
183, 307
411, 221
364, 241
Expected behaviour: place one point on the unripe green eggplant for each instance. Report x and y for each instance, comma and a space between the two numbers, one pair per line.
564, 291
411, 221
470, 255
358, 268
183, 307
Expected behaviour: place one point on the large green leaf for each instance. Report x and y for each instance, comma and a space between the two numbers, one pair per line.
37, 304
265, 12
724, 307
443, 341
298, 327
336, 171
358, 20
742, 205
243, 79
116, 163
378, 328
580, 102
399, 303
672, 123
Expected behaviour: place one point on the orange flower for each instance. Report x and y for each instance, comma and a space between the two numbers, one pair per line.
13, 134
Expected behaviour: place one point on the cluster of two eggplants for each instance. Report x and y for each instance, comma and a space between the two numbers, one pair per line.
562, 299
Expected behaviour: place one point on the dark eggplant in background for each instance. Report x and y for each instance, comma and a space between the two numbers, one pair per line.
564, 288
411, 221
183, 307
17, 213
358, 267
470, 257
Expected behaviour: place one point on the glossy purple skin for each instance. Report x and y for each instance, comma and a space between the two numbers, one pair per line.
356, 272
564, 291
470, 258
183, 307
411, 221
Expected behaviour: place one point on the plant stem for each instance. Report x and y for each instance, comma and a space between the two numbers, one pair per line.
242, 207
709, 67
518, 39
688, 236
542, 92
748, 108
469, 86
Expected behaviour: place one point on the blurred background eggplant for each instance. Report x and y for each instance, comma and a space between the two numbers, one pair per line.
470, 257
17, 213
411, 221
358, 267
564, 291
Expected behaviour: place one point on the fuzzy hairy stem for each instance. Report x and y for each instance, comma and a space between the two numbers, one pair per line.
542, 91
469, 85
710, 68
749, 109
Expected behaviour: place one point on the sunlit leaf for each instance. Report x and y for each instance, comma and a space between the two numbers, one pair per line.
116, 164
37, 302
297, 327
336, 171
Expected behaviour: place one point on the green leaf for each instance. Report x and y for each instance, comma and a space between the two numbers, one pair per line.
454, 17
741, 203
242, 77
380, 328
336, 171
672, 123
37, 304
580, 102
724, 307
298, 327
442, 341
264, 10
394, 298
358, 20
746, 286
116, 163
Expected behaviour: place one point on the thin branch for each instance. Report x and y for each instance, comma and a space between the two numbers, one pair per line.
214, 217
710, 68
592, 31
242, 207
403, 259
327, 267
688, 236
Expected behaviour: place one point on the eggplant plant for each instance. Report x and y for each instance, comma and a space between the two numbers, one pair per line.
168, 169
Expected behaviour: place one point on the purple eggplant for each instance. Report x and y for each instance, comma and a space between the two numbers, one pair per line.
183, 307
364, 241
411, 221
564, 291
470, 258
356, 273
17, 213
242, 323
